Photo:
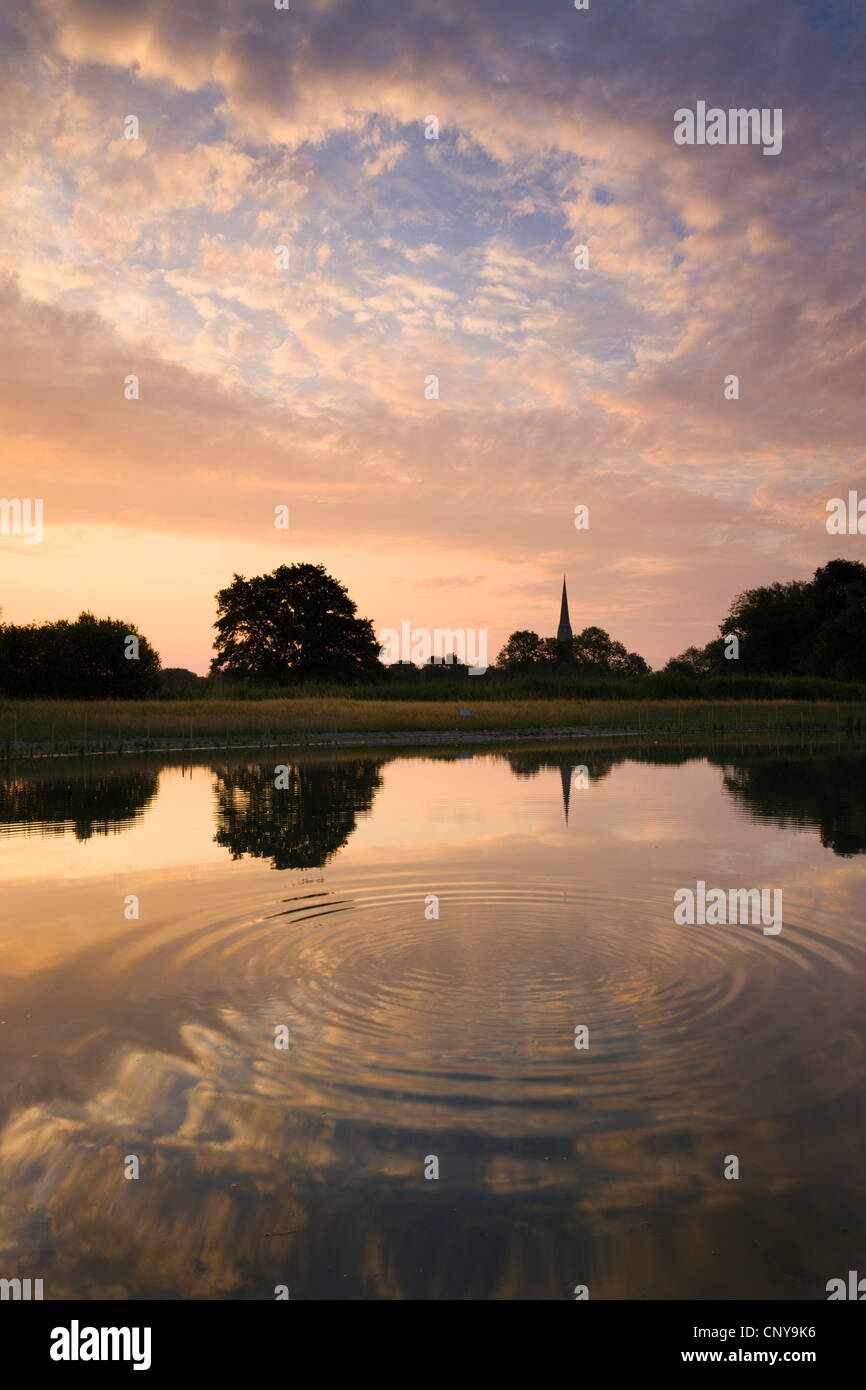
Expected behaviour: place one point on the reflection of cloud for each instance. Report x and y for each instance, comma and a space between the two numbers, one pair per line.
235, 1197
453, 1036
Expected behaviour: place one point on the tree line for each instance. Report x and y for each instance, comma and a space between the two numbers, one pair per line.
90, 658
807, 627
298, 626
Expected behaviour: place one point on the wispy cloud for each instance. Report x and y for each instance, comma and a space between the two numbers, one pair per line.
454, 257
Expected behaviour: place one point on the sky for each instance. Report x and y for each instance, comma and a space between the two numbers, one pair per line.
300, 379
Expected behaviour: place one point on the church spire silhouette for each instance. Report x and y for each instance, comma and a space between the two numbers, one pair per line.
564, 632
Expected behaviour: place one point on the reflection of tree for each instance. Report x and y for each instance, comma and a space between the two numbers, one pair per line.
827, 794
100, 804
301, 827
529, 762
818, 791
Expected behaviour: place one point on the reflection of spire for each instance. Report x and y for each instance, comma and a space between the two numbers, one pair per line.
565, 773
563, 632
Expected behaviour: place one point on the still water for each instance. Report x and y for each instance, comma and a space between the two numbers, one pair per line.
415, 1037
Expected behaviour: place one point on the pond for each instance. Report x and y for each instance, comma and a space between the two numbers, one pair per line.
424, 1026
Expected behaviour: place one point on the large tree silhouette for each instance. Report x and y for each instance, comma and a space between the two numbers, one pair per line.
296, 624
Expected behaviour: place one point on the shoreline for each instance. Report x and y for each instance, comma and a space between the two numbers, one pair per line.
424, 738
397, 738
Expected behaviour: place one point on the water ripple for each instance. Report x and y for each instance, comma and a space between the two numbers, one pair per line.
473, 1015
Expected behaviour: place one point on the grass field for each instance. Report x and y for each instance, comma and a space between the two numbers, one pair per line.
99, 725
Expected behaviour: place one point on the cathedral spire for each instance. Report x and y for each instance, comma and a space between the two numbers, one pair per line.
564, 632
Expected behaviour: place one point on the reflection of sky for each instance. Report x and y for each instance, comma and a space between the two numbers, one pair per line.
175, 829
453, 1036
420, 803
640, 824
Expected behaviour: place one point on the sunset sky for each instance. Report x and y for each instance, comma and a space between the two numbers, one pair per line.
410, 257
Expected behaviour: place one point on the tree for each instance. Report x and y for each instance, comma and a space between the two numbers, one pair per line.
593, 650
591, 653
772, 625
185, 684
442, 668
813, 627
296, 624
838, 647
403, 672
522, 651
596, 653
694, 661
92, 658
625, 663
805, 627
558, 655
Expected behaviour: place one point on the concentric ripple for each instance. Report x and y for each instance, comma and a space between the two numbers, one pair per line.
398, 1015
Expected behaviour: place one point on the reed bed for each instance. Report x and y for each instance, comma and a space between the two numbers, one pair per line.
105, 724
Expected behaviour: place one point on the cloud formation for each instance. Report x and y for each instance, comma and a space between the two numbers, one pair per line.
407, 257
